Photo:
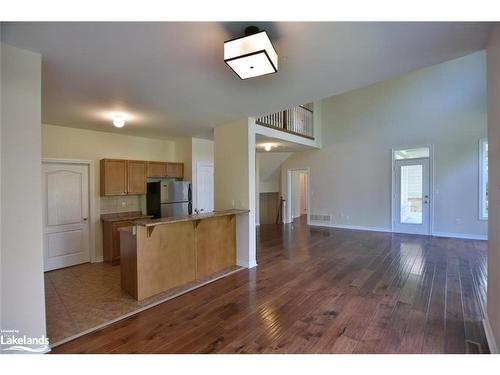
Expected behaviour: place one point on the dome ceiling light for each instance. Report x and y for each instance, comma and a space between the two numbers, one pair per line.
252, 55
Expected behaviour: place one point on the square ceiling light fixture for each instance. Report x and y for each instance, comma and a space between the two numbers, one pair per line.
252, 55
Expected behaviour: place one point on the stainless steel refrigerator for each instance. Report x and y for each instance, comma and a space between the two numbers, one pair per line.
169, 198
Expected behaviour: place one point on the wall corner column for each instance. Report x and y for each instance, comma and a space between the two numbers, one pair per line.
234, 182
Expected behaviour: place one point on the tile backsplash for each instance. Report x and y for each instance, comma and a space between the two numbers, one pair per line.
123, 204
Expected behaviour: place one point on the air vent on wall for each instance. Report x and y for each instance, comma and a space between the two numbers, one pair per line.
321, 218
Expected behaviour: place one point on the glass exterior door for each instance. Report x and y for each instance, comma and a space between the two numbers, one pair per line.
411, 196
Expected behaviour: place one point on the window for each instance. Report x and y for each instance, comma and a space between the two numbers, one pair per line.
483, 179
412, 153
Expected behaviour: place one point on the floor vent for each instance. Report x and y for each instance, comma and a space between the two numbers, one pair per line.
321, 218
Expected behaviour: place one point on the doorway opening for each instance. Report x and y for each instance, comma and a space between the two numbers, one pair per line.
298, 195
411, 190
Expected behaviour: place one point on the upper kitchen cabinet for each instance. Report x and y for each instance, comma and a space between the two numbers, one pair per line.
122, 177
175, 170
113, 177
157, 169
136, 177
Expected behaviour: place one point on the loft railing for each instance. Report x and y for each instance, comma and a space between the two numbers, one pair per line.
297, 120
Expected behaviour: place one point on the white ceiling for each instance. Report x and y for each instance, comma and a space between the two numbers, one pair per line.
172, 79
278, 145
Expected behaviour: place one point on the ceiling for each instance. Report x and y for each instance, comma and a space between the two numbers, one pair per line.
278, 145
171, 79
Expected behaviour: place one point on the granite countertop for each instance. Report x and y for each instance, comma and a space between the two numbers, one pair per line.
124, 216
171, 220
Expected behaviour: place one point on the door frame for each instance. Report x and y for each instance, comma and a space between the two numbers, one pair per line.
90, 163
288, 205
198, 165
431, 183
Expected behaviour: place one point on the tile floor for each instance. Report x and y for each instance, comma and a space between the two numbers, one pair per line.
86, 296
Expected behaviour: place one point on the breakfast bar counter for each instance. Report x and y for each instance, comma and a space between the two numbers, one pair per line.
161, 254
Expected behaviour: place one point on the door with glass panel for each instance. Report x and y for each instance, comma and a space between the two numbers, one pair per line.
411, 196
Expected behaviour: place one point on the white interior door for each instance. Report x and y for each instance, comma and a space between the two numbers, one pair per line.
65, 214
411, 196
205, 187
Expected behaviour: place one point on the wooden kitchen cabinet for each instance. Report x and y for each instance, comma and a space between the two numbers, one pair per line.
113, 177
111, 240
157, 169
175, 170
136, 177
111, 237
122, 177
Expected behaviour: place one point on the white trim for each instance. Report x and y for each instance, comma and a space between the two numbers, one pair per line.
246, 264
431, 182
153, 304
92, 211
466, 236
353, 227
480, 181
489, 336
288, 207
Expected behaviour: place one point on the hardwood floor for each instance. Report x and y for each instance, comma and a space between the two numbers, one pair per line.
320, 290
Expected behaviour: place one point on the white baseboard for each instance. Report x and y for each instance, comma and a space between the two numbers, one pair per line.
98, 260
246, 264
489, 336
465, 236
388, 230
354, 227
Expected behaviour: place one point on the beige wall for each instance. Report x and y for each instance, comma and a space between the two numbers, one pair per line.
71, 143
184, 154
443, 105
22, 291
192, 151
493, 305
234, 181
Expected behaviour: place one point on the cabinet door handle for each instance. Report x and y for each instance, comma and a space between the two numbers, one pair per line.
85, 218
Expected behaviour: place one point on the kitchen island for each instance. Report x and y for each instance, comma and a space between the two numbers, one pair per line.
157, 255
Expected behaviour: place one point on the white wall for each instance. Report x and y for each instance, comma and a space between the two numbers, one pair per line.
234, 170
71, 143
268, 175
22, 285
443, 105
270, 170
493, 305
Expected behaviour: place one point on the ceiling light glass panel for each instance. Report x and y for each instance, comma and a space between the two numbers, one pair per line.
251, 56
